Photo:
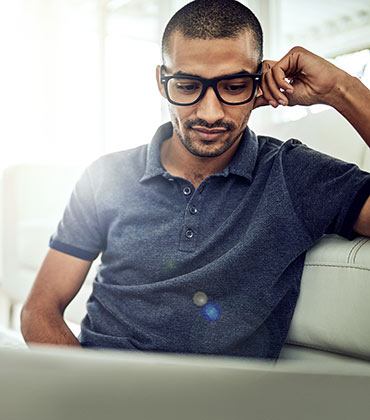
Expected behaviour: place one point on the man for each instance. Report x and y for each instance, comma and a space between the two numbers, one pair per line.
203, 233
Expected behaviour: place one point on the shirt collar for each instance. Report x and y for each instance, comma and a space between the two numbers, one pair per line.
242, 164
153, 158
245, 158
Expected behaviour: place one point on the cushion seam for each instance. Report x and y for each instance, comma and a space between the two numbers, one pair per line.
336, 266
315, 347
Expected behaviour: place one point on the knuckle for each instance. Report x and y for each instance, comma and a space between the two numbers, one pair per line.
297, 49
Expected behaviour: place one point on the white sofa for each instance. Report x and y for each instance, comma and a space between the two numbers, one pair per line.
331, 321
332, 317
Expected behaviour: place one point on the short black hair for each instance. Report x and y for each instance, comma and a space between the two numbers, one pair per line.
209, 19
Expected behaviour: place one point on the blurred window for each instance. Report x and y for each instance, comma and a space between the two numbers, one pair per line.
132, 101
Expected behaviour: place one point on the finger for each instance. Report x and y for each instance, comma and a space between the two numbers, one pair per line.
281, 89
271, 91
292, 62
272, 87
266, 94
279, 75
267, 64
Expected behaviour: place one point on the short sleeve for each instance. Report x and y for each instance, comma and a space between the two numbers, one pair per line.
327, 193
79, 232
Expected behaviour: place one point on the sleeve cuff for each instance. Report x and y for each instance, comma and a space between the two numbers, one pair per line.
72, 250
354, 211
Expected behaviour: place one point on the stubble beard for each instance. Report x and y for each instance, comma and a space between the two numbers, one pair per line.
203, 149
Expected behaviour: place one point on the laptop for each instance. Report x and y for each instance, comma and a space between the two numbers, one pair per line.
60, 383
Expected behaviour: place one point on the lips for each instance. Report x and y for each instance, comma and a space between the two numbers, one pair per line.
206, 134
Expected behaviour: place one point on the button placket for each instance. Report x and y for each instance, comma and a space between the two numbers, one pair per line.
189, 234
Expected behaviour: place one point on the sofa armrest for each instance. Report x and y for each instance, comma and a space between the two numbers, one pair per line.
333, 309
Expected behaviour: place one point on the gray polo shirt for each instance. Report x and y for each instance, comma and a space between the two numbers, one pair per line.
211, 271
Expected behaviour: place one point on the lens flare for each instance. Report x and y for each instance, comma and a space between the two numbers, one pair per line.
211, 311
200, 298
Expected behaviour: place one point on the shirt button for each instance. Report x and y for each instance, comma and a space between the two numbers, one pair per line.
187, 190
193, 210
189, 233
171, 179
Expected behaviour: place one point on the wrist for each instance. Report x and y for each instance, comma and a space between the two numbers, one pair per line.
344, 92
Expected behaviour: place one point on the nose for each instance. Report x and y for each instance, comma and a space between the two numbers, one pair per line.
209, 107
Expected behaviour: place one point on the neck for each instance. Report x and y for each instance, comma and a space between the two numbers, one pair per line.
178, 161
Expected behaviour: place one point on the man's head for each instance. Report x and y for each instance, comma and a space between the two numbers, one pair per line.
213, 19
210, 39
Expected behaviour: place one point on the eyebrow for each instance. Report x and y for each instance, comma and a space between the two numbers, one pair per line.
181, 73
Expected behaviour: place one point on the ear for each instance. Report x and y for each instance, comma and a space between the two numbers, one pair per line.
159, 84
259, 100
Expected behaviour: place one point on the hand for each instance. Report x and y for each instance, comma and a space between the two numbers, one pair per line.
299, 78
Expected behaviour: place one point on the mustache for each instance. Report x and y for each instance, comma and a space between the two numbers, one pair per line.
197, 122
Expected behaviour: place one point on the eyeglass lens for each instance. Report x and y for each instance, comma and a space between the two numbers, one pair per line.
186, 91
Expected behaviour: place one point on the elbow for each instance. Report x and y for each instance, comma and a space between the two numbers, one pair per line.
25, 319
32, 316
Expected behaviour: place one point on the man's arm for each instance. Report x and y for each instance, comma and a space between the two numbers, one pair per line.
58, 281
362, 225
303, 78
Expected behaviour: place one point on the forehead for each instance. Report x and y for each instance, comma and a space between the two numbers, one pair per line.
212, 57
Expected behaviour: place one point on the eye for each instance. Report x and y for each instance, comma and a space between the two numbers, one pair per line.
187, 87
233, 87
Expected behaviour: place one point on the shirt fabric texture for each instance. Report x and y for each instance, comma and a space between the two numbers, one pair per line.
214, 270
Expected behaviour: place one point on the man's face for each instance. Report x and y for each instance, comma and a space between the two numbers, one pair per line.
209, 128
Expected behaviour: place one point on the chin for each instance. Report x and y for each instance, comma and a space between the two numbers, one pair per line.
204, 148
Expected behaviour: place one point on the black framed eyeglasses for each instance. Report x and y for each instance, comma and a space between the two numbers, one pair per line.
234, 89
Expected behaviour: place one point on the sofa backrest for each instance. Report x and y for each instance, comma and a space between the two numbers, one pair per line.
327, 132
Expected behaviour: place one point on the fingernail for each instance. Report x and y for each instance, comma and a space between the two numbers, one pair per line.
273, 104
282, 102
